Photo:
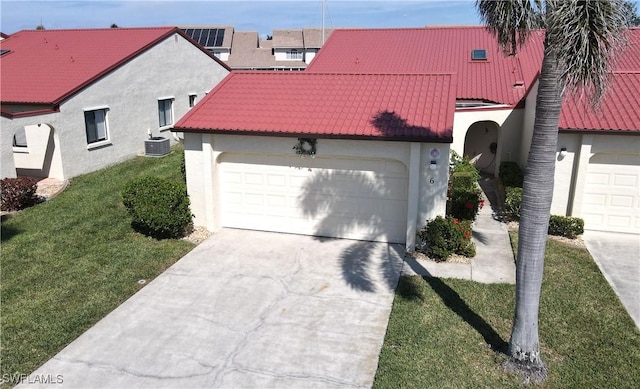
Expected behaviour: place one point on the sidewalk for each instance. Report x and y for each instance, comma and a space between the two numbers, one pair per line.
493, 263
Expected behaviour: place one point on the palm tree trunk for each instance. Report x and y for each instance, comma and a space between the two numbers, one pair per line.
524, 348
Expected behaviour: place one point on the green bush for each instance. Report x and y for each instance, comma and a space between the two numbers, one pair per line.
158, 207
463, 181
512, 202
19, 193
510, 174
459, 164
567, 226
446, 236
465, 204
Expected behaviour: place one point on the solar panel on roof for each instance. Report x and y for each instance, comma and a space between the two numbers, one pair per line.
207, 37
212, 38
220, 37
196, 34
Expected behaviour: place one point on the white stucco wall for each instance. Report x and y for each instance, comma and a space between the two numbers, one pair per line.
427, 188
174, 68
281, 54
571, 170
509, 133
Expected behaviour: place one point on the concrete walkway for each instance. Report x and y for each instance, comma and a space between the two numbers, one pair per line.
618, 257
494, 261
245, 309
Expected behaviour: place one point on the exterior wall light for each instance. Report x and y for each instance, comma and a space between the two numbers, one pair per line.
433, 165
563, 152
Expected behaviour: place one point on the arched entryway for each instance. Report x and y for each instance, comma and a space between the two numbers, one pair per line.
35, 153
481, 145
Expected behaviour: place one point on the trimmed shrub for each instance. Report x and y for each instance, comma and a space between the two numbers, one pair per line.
512, 202
446, 236
464, 204
567, 226
510, 174
158, 207
19, 193
463, 181
459, 164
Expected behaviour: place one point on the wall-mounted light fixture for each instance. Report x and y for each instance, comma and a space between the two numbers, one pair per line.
433, 165
563, 152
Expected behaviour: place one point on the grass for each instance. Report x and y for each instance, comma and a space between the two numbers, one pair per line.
449, 333
68, 262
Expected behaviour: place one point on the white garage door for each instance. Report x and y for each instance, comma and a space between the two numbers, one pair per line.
336, 197
611, 199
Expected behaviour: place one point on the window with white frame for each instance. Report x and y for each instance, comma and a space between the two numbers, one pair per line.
95, 122
192, 100
165, 112
20, 138
294, 54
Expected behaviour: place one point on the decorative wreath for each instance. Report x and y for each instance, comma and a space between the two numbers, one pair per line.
306, 146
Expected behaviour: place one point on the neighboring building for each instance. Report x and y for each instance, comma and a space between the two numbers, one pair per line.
244, 50
380, 165
74, 101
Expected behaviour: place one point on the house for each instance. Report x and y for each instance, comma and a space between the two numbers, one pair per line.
382, 125
74, 101
245, 50
362, 157
598, 169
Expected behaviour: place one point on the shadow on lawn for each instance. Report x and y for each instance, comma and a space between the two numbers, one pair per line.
7, 232
410, 290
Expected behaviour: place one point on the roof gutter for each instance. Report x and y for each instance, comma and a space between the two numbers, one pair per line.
446, 139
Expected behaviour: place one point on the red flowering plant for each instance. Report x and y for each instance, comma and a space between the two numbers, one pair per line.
465, 204
446, 236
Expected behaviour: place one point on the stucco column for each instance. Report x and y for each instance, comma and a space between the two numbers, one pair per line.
413, 195
580, 174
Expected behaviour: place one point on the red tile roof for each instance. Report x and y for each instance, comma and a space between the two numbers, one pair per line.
48, 66
619, 110
435, 50
416, 107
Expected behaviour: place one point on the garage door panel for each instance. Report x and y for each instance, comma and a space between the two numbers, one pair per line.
330, 199
611, 196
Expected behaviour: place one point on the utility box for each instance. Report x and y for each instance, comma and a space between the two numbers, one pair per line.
156, 146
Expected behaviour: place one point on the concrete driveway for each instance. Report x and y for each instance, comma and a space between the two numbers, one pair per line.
618, 257
245, 309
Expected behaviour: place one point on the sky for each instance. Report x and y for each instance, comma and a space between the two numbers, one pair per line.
258, 15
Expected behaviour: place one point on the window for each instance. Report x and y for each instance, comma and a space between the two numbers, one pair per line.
294, 54
20, 138
192, 100
96, 125
479, 55
165, 113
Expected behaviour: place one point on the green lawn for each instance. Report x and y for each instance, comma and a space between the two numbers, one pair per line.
446, 333
68, 262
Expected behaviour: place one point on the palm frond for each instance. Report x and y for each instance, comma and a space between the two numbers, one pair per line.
510, 21
586, 36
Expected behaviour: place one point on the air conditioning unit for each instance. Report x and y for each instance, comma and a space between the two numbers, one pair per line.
156, 146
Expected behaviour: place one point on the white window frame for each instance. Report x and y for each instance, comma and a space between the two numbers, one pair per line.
295, 55
193, 99
100, 140
20, 148
163, 123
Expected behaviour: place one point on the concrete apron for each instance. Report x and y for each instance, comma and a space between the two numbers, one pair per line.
246, 309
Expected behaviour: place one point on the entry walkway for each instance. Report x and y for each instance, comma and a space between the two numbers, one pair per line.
494, 261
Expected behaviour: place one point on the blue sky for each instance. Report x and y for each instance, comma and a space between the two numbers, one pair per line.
262, 15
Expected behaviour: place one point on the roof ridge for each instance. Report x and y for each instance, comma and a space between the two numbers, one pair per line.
96, 29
